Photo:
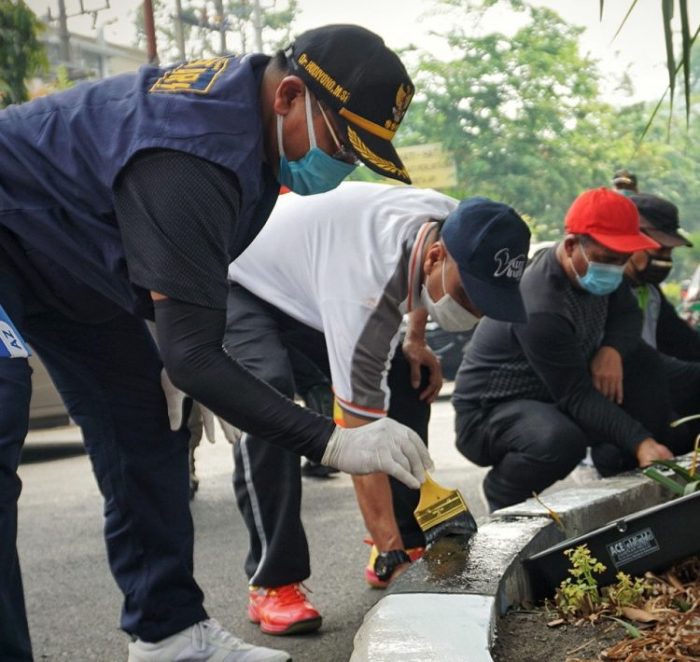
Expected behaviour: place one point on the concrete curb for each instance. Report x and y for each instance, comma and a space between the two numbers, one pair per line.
445, 607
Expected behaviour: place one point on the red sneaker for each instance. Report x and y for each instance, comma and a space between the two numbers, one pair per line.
414, 553
282, 610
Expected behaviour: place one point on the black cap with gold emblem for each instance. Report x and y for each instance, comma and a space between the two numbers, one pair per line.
351, 70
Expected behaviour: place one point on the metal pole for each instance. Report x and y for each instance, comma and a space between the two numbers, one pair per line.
257, 26
149, 27
219, 4
63, 34
179, 31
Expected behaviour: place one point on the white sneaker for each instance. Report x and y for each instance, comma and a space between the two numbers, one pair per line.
205, 640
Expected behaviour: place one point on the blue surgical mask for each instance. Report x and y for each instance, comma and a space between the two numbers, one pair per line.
316, 171
600, 278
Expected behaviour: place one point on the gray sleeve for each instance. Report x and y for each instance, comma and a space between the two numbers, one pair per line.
360, 352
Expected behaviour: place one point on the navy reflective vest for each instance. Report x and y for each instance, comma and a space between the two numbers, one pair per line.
60, 156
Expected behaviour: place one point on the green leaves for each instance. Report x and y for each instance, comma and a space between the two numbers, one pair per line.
579, 595
21, 53
687, 41
519, 112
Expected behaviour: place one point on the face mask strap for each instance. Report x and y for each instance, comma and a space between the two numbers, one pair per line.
280, 142
309, 126
444, 265
309, 120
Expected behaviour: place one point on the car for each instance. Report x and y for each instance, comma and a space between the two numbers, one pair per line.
448, 346
46, 409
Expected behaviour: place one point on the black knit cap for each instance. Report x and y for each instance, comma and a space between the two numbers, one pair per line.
351, 70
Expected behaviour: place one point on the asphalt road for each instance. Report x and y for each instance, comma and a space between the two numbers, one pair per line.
73, 603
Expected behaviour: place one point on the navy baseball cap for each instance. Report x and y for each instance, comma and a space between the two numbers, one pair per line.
489, 241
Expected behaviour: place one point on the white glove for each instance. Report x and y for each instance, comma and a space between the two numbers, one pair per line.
175, 399
383, 445
232, 433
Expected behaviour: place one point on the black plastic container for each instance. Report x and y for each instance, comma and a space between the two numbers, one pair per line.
645, 540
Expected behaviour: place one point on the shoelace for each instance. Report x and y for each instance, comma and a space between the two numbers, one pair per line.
212, 631
289, 594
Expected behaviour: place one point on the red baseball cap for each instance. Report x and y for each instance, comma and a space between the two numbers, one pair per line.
609, 218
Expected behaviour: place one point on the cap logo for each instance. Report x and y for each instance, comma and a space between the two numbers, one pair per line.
403, 100
366, 154
507, 266
323, 78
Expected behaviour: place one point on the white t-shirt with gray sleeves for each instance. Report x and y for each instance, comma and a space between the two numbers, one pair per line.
346, 263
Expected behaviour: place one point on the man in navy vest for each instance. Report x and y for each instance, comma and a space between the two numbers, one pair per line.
128, 198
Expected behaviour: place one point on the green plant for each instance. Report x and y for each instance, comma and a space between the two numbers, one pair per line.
682, 481
627, 592
579, 594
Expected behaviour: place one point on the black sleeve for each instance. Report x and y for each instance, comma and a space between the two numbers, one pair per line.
189, 338
551, 348
623, 328
177, 214
674, 336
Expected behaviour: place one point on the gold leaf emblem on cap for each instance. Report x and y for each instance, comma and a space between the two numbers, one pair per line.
403, 99
367, 155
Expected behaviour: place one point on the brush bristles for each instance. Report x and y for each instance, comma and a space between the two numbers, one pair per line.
462, 524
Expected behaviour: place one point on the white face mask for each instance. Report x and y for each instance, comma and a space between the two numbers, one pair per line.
446, 312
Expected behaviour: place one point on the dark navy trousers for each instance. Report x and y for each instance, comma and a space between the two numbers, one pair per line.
108, 374
267, 479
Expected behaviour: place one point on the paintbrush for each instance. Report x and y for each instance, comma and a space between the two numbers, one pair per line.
442, 512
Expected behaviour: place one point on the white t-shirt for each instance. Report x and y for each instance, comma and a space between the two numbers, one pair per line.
346, 263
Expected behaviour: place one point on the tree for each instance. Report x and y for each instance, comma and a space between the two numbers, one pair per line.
21, 53
202, 23
689, 36
520, 113
668, 164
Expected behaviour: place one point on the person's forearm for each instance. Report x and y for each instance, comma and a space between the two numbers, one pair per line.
604, 420
415, 328
190, 342
373, 493
623, 329
554, 353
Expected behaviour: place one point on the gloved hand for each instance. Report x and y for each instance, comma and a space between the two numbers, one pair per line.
383, 445
232, 434
175, 399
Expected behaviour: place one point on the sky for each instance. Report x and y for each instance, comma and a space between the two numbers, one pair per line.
639, 48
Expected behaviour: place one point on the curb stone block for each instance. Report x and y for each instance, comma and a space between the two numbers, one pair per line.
415, 627
452, 596
585, 508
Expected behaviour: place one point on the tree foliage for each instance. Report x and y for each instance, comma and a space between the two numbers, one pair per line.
21, 53
201, 23
520, 113
675, 65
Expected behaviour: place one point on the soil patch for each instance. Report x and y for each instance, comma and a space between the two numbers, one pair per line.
667, 627
524, 636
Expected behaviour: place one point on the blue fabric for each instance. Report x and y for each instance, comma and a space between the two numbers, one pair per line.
15, 392
61, 154
108, 374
